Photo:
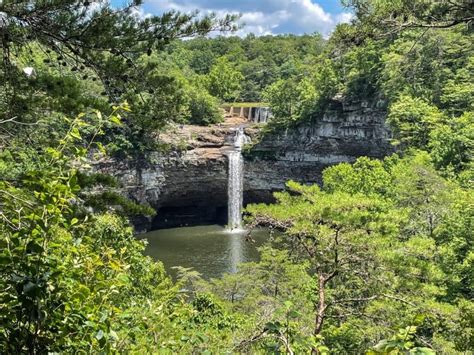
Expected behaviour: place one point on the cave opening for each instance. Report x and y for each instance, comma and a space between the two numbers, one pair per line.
198, 214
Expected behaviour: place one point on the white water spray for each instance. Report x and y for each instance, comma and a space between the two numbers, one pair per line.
235, 188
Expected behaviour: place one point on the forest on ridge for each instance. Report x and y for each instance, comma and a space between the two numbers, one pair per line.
379, 259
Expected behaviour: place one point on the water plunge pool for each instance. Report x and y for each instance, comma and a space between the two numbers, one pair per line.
210, 250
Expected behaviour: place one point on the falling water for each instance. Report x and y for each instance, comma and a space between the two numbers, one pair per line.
236, 181
262, 114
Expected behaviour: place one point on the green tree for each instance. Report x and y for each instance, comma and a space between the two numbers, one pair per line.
412, 121
283, 97
367, 176
303, 96
452, 145
400, 229
99, 47
63, 273
204, 108
457, 94
400, 343
426, 64
337, 233
224, 80
269, 295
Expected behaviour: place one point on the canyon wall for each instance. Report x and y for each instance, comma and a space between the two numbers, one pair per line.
188, 183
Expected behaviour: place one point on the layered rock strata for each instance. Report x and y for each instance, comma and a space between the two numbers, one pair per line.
187, 184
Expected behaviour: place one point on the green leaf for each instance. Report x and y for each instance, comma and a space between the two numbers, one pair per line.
113, 334
75, 133
82, 293
273, 327
115, 119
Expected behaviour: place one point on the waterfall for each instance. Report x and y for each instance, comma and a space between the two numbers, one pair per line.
262, 114
235, 188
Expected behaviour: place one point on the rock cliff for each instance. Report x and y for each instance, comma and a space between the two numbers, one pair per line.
345, 132
188, 183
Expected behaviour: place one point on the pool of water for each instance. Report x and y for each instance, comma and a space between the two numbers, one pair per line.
210, 250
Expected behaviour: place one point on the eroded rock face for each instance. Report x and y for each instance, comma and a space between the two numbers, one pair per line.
345, 132
189, 185
186, 185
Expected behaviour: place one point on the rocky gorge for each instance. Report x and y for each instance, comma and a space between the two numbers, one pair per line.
186, 183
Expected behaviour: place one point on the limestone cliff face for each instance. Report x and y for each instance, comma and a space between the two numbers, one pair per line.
189, 185
186, 184
345, 132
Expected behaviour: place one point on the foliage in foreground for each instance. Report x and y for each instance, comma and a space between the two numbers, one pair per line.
75, 281
379, 259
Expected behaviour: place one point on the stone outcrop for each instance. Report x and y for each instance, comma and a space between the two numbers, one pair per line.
188, 184
345, 132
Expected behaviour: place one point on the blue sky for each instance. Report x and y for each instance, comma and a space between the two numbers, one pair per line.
262, 16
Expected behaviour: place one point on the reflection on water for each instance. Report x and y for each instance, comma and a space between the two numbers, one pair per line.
210, 250
236, 250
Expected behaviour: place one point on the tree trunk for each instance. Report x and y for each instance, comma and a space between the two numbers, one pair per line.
321, 305
321, 309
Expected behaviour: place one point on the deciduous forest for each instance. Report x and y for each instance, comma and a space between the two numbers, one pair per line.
377, 259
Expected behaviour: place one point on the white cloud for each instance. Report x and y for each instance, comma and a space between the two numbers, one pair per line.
262, 17
257, 23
